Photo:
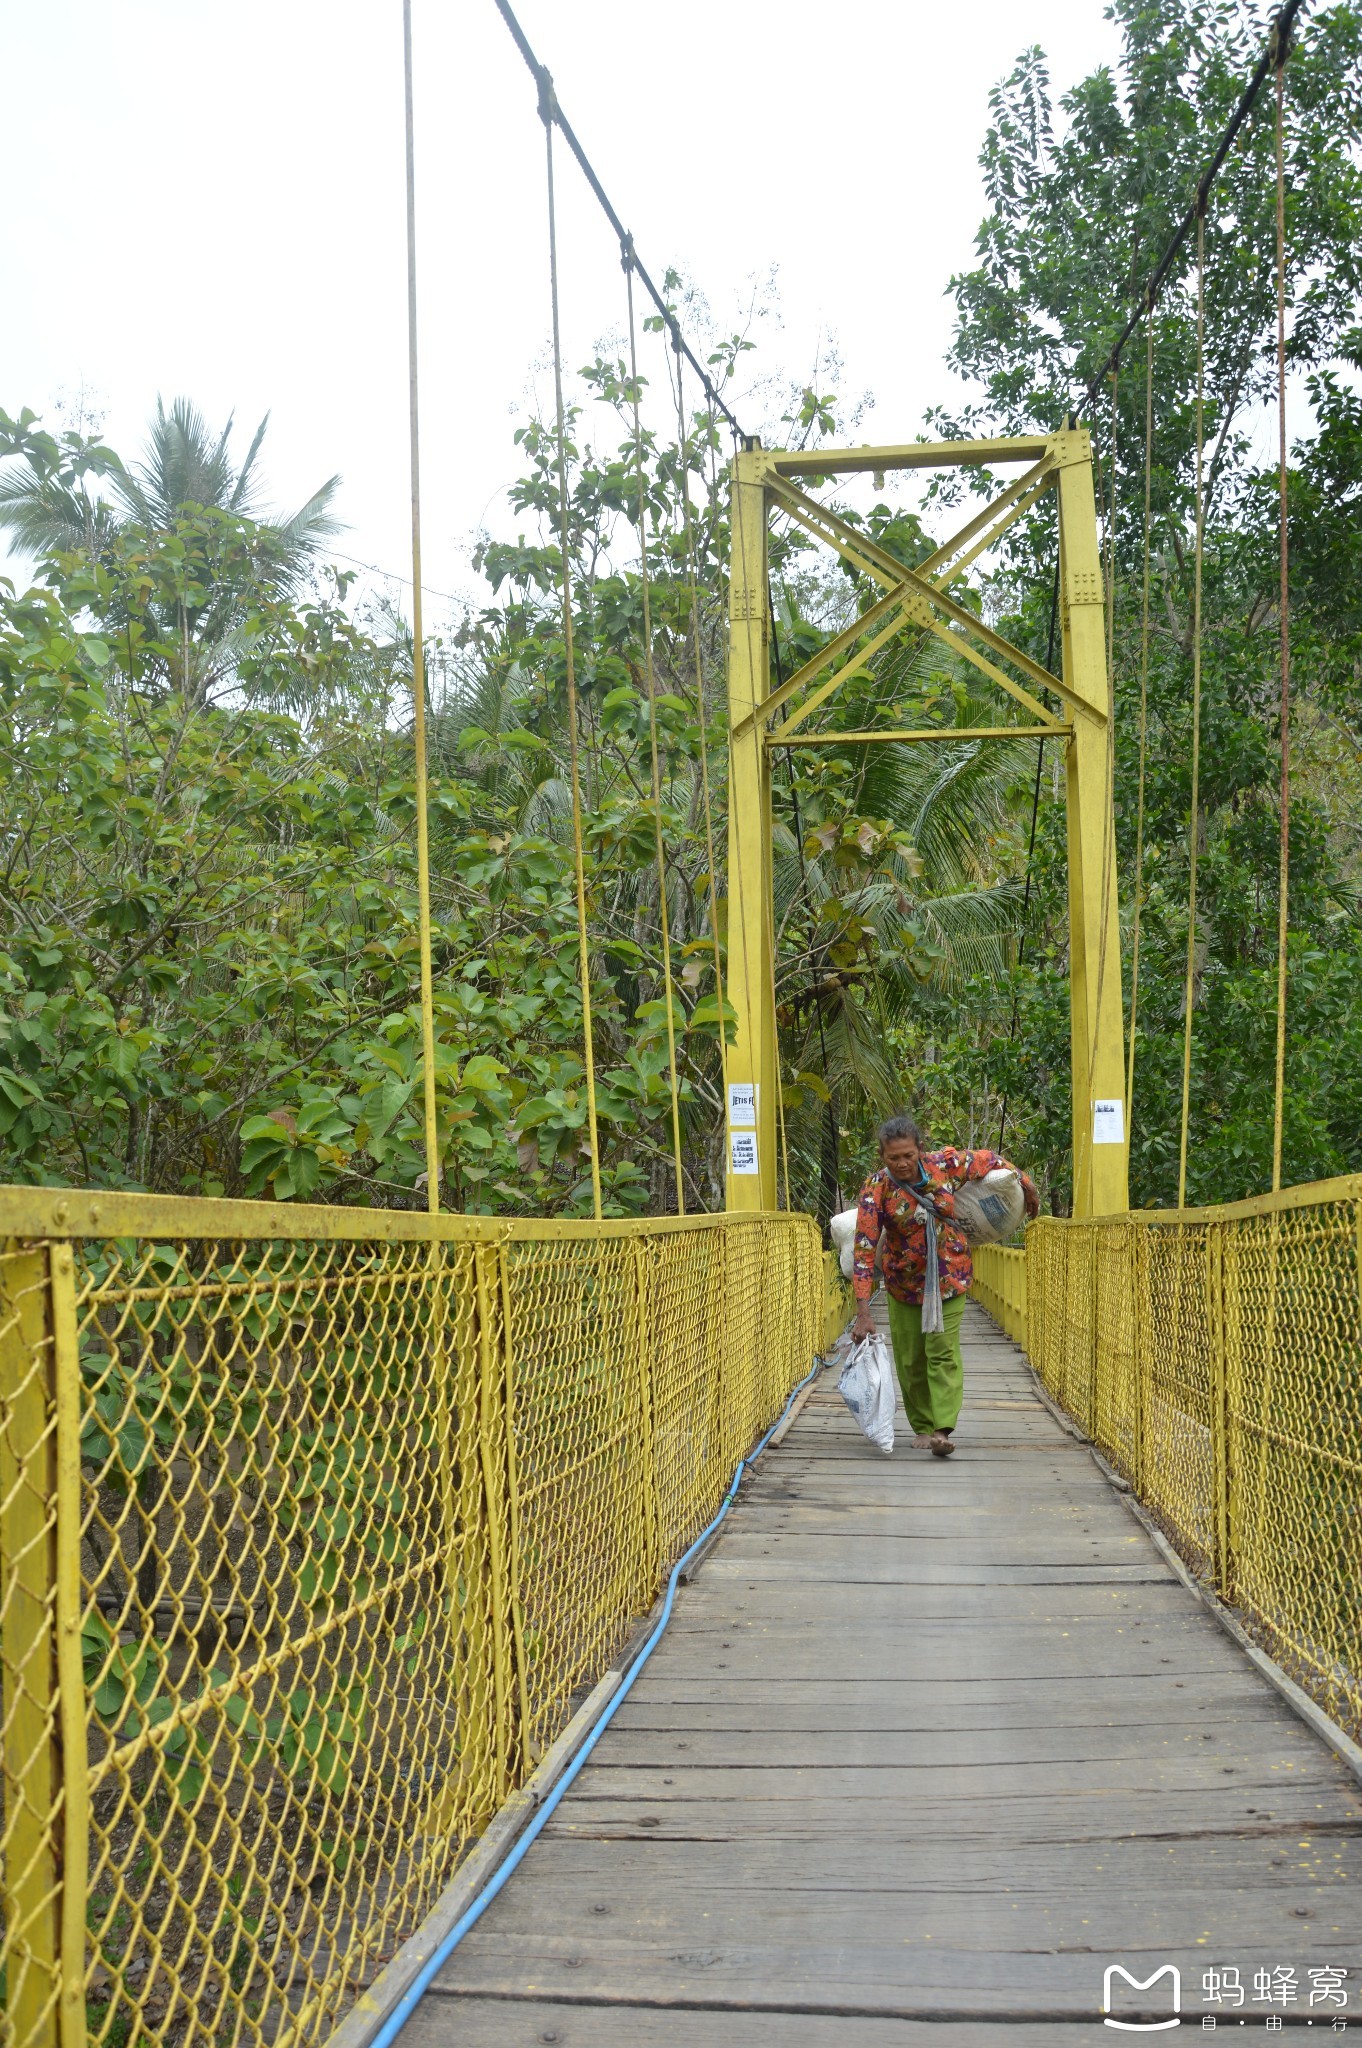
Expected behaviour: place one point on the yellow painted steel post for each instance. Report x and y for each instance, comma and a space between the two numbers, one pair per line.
751, 934
72, 1714
418, 664
30, 1892
1101, 1186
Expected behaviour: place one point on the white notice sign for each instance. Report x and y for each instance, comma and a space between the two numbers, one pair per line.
742, 1152
742, 1107
1109, 1121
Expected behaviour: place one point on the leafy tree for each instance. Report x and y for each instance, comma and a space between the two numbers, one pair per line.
210, 975
209, 970
1080, 209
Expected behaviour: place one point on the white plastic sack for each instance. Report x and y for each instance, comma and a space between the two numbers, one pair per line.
867, 1385
842, 1230
990, 1209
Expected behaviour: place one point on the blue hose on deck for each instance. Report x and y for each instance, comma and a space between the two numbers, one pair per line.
419, 1985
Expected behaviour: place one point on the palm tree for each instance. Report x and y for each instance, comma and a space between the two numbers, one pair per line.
46, 501
186, 485
50, 508
183, 465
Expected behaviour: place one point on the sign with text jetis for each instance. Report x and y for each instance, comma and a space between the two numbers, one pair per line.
742, 1107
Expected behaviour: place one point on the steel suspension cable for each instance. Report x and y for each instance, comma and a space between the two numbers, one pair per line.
579, 858
418, 657
1195, 831
1284, 630
780, 1086
1030, 851
547, 97
1148, 298
814, 982
1111, 543
775, 1013
693, 594
1144, 720
650, 674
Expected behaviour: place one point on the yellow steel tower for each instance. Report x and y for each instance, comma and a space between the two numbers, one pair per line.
1078, 716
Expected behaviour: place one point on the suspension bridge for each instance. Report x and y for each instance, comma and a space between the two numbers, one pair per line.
498, 1630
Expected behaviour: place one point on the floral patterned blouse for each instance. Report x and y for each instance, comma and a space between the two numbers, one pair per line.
888, 1207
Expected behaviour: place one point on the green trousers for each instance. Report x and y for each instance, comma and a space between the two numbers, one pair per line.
930, 1369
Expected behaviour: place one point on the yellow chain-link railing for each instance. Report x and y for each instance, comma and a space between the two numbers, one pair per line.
1215, 1358
315, 1525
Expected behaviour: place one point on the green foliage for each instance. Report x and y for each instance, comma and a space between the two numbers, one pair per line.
1082, 199
208, 970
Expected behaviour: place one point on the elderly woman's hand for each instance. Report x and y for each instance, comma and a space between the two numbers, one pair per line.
864, 1325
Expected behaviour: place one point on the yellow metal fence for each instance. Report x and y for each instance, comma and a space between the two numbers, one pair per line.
1215, 1358
314, 1526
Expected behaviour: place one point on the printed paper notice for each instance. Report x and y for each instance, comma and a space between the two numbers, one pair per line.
742, 1152
1109, 1121
742, 1107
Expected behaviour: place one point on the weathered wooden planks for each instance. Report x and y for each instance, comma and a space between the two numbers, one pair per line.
498, 2023
884, 1972
928, 1744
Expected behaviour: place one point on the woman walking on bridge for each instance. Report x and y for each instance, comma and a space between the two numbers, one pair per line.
908, 1202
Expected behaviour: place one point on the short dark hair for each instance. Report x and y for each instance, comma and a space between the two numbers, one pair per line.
901, 1126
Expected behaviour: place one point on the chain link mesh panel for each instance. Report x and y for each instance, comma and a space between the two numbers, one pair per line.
1215, 1358
31, 1823
1000, 1286
350, 1527
1177, 1479
1292, 1345
1115, 1408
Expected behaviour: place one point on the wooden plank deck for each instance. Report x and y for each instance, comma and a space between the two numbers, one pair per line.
927, 1745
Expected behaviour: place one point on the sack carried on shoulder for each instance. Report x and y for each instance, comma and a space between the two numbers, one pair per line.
990, 1209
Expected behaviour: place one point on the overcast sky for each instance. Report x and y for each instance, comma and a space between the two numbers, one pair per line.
208, 200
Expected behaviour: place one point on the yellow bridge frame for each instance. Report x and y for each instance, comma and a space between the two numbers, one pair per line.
760, 719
